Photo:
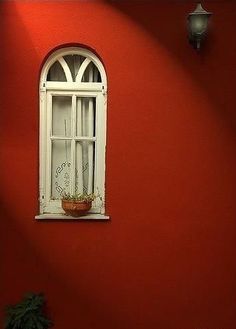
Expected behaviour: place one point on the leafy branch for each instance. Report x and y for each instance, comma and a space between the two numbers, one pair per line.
27, 314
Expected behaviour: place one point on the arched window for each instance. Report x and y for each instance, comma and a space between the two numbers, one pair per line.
73, 92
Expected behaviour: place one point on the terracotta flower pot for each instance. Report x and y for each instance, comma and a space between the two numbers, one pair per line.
76, 208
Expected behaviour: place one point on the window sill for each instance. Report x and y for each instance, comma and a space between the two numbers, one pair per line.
62, 217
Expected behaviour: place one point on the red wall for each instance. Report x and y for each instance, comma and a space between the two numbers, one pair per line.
166, 260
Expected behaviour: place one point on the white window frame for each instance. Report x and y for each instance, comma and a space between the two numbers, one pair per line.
82, 89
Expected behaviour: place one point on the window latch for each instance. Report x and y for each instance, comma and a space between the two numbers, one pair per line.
104, 90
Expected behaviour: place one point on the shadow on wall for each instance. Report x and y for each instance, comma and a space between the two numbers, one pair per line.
25, 267
25, 270
135, 275
28, 266
21, 262
213, 67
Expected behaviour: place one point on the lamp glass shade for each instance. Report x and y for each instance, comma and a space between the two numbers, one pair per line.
198, 24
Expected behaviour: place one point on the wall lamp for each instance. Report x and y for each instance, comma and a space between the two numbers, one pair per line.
197, 24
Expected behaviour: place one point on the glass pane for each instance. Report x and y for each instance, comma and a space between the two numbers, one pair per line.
86, 112
61, 168
56, 73
91, 74
74, 62
84, 167
61, 115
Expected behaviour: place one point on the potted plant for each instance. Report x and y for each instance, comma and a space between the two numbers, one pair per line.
77, 204
27, 314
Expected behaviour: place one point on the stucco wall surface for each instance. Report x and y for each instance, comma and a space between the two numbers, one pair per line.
167, 258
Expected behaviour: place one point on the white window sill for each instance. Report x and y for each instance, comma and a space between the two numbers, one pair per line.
88, 217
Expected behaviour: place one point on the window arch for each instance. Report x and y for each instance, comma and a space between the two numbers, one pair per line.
73, 93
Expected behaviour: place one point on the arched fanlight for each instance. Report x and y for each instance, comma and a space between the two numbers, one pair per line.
198, 23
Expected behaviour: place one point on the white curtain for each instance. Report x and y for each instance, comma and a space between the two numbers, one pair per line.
85, 127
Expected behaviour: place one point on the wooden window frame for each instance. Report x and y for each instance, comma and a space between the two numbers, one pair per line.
47, 89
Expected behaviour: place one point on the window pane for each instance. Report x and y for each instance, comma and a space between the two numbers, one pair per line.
74, 62
84, 167
61, 115
61, 168
91, 74
56, 73
86, 112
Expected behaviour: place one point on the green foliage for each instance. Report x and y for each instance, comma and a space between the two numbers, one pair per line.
79, 197
28, 314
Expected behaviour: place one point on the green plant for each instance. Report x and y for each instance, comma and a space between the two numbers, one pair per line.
27, 314
83, 197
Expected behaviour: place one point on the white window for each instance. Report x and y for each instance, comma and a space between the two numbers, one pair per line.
73, 90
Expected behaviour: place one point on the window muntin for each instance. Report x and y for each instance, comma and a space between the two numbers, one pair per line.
72, 132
